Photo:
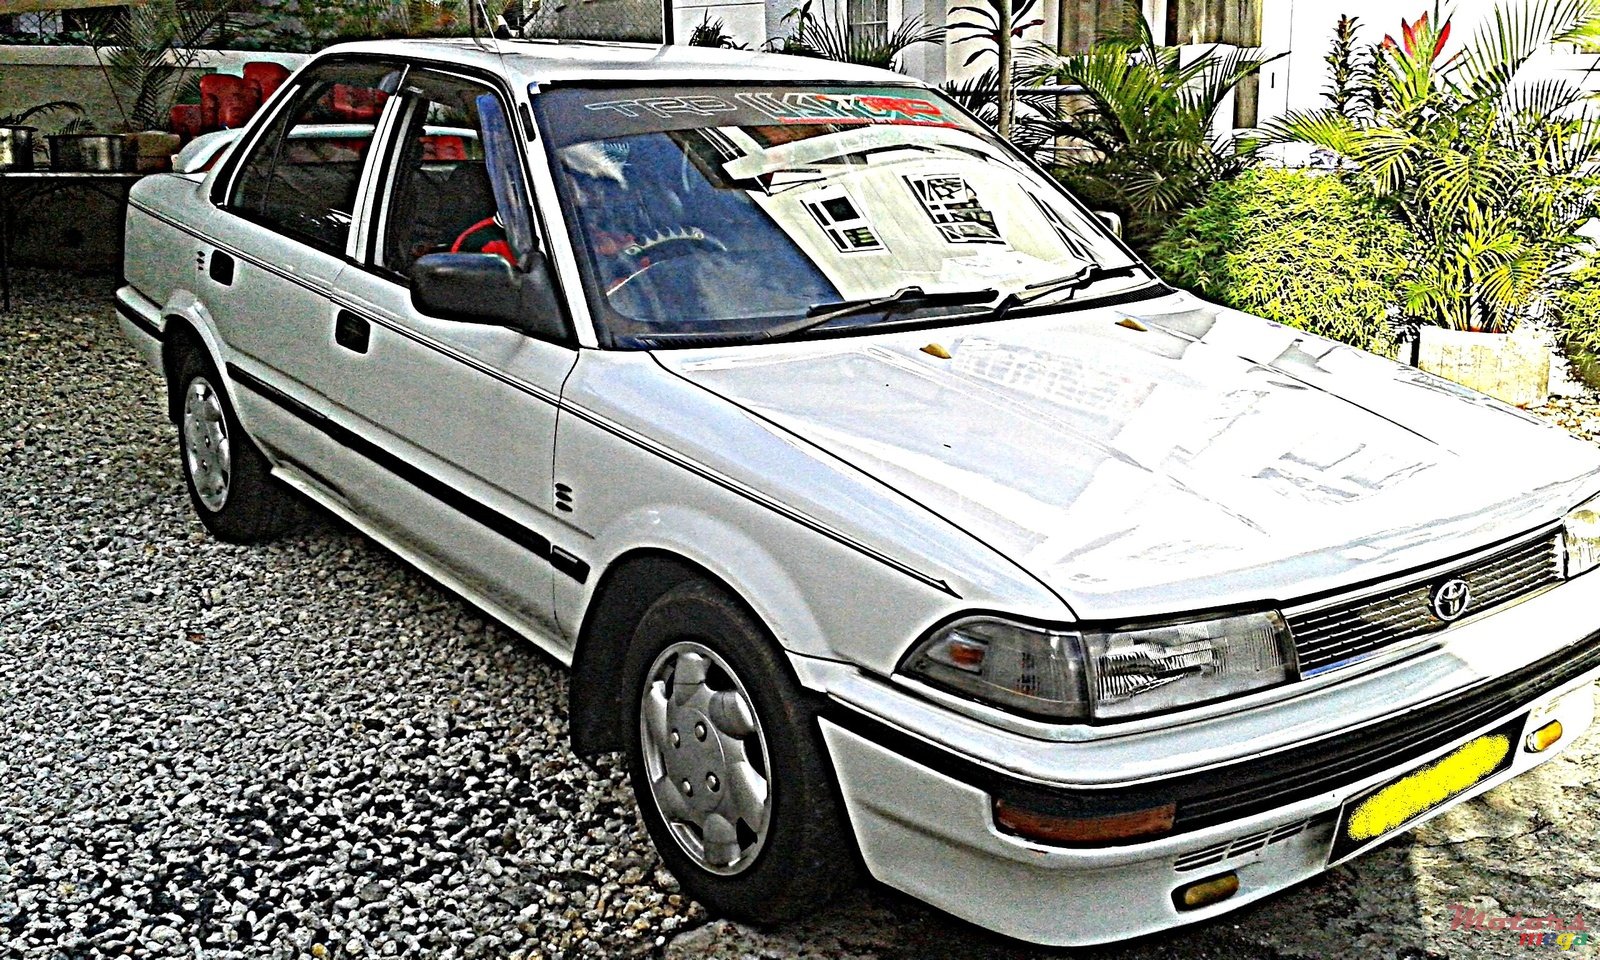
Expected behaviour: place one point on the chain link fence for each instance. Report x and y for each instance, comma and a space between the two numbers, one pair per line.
639, 20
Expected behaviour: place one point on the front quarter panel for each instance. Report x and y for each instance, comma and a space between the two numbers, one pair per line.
835, 564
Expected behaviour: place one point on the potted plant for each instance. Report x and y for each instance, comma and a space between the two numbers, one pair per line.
149, 57
17, 143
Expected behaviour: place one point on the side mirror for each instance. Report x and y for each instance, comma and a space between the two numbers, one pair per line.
484, 288
1111, 221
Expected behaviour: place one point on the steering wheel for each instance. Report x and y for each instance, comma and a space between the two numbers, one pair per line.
497, 246
483, 224
663, 247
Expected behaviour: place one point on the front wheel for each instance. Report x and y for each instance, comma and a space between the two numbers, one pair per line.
727, 763
229, 481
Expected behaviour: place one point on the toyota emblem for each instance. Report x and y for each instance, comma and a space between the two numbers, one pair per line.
1451, 598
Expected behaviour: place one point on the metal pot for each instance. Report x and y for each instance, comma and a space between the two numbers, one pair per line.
16, 148
87, 152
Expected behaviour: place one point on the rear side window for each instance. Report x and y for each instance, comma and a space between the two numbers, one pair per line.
302, 176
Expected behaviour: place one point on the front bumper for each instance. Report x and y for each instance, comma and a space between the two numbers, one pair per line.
922, 808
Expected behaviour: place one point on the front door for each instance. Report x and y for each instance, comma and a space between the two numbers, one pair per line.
466, 410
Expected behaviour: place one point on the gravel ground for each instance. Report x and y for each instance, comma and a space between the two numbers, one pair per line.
310, 750
303, 749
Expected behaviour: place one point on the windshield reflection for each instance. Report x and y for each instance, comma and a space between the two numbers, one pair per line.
729, 214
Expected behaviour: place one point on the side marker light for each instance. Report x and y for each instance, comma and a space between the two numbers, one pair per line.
1545, 737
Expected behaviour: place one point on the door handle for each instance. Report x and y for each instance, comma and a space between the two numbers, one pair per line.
352, 332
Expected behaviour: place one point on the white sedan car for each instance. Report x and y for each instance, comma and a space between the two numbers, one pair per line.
889, 511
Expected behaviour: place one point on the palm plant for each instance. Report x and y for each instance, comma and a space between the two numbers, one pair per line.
712, 33
829, 37
145, 53
1141, 140
1491, 173
1034, 115
41, 110
1000, 24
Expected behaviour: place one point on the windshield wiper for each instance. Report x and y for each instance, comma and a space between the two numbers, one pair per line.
906, 298
1090, 275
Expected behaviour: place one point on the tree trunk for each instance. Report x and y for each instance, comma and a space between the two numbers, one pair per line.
1003, 15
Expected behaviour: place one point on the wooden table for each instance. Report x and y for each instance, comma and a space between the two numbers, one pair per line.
20, 188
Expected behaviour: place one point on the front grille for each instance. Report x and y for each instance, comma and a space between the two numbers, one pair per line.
1341, 633
1238, 847
1248, 787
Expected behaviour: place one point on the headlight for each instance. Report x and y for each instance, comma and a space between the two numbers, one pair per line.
1105, 674
1580, 534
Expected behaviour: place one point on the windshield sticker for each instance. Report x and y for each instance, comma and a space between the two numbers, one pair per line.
802, 107
954, 207
836, 213
809, 107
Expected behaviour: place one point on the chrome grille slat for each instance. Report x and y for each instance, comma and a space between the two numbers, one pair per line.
1238, 847
1356, 627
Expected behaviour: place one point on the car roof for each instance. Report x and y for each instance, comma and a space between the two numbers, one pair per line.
562, 61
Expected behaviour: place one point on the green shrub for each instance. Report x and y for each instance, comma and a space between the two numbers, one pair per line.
1301, 248
1577, 308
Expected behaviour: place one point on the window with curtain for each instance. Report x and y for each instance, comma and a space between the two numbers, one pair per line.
867, 21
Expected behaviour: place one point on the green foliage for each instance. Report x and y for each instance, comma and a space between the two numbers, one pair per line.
986, 30
1576, 309
41, 110
1351, 71
712, 33
1306, 249
829, 37
1493, 174
1142, 137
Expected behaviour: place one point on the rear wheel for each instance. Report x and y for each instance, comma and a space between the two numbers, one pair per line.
229, 481
727, 763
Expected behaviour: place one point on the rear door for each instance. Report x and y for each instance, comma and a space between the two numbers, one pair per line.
290, 203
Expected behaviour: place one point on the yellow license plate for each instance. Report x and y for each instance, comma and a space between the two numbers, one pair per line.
1388, 807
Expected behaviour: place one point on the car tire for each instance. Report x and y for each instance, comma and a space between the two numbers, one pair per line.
230, 482
727, 762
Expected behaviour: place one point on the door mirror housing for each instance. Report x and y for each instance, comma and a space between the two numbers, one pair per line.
1112, 221
484, 288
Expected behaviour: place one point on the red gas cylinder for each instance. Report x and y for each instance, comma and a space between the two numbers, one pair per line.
225, 101
185, 120
443, 148
265, 77
355, 104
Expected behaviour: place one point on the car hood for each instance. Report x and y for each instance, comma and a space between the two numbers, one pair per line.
1169, 456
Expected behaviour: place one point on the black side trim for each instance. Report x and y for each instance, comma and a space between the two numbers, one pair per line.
563, 562
1248, 787
138, 319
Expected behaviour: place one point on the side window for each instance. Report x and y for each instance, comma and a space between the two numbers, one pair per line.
301, 179
457, 187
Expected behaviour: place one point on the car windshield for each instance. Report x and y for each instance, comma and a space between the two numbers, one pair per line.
724, 214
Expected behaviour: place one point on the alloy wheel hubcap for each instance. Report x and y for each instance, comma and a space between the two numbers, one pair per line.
207, 454
706, 757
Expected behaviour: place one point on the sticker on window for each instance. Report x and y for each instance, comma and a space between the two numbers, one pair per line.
836, 213
954, 207
808, 107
